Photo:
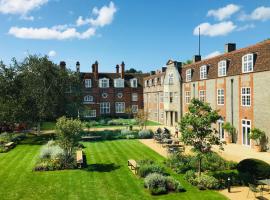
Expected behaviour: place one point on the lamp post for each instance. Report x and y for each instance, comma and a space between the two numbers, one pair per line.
229, 184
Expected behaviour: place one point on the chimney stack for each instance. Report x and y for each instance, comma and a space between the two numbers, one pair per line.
122, 70
117, 69
163, 69
197, 58
78, 66
96, 70
229, 47
93, 68
63, 65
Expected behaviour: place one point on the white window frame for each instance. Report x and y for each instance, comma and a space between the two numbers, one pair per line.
105, 108
134, 97
119, 107
188, 75
88, 99
87, 83
119, 83
222, 68
171, 79
246, 96
202, 96
221, 131
247, 63
203, 72
104, 83
90, 113
220, 97
187, 97
134, 83
245, 127
134, 108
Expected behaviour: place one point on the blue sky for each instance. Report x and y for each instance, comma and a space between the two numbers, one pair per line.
143, 33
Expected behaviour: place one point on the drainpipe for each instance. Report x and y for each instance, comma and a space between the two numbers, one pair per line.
232, 116
193, 90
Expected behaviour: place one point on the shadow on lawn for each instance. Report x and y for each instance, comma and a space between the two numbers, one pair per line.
102, 167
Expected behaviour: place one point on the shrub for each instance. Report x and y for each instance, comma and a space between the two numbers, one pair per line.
102, 122
145, 134
156, 183
146, 169
206, 182
114, 123
174, 185
51, 151
190, 176
125, 132
48, 165
257, 169
130, 137
213, 162
181, 163
222, 177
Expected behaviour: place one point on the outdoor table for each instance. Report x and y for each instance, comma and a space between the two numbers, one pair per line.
263, 183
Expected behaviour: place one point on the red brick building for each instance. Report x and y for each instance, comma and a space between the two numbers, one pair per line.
110, 94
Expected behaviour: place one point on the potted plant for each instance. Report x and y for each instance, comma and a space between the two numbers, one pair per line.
230, 130
257, 135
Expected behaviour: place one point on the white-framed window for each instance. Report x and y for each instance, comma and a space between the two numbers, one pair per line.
134, 96
161, 99
119, 83
221, 132
188, 75
246, 96
187, 97
90, 113
134, 108
104, 83
171, 79
87, 83
88, 99
203, 72
105, 108
222, 68
134, 83
220, 97
120, 95
247, 63
246, 129
120, 107
161, 115
202, 95
104, 95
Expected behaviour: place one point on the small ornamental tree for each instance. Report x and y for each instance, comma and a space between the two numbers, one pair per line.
197, 131
68, 134
142, 118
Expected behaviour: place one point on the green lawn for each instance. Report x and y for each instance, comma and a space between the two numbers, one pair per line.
106, 177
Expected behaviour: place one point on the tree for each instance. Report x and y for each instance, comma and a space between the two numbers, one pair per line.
142, 118
197, 131
132, 70
129, 112
187, 62
68, 133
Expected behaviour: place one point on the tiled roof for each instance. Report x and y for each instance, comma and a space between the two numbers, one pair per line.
261, 52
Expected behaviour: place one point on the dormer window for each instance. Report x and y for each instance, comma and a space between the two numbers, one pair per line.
203, 72
119, 83
104, 83
170, 79
87, 83
88, 99
134, 83
188, 75
222, 68
247, 63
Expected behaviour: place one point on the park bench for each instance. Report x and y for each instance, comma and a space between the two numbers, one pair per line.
9, 145
133, 165
79, 159
90, 137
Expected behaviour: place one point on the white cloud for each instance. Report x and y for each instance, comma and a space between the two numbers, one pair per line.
50, 33
104, 16
245, 27
261, 13
213, 54
52, 53
219, 29
20, 7
224, 12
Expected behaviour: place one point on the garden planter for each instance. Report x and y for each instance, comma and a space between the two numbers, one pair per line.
258, 148
228, 139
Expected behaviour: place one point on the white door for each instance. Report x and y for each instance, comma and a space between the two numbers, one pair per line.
246, 127
221, 130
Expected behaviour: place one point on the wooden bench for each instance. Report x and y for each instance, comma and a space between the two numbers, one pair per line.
89, 137
133, 165
9, 145
80, 158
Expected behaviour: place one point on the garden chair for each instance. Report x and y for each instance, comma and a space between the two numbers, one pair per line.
255, 189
